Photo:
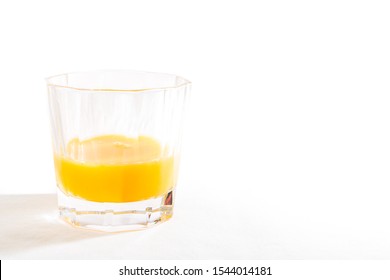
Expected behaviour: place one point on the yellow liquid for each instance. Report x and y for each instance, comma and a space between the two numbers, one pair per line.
114, 168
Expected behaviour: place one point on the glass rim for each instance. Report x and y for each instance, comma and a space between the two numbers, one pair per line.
184, 82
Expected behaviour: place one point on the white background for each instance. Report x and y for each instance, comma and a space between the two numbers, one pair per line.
286, 151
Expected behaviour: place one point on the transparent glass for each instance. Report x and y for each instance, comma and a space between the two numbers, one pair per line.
116, 141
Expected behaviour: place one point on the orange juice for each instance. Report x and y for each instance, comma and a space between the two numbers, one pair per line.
114, 168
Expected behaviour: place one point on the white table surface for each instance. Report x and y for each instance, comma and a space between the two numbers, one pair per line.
282, 223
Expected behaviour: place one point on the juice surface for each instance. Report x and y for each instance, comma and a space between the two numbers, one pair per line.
115, 168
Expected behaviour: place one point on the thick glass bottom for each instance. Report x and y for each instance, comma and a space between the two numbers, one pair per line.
115, 217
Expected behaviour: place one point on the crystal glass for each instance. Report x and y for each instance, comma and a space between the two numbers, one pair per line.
116, 141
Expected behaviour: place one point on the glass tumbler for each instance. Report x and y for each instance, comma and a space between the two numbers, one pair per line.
116, 141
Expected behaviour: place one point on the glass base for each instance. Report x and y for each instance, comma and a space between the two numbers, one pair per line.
115, 217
